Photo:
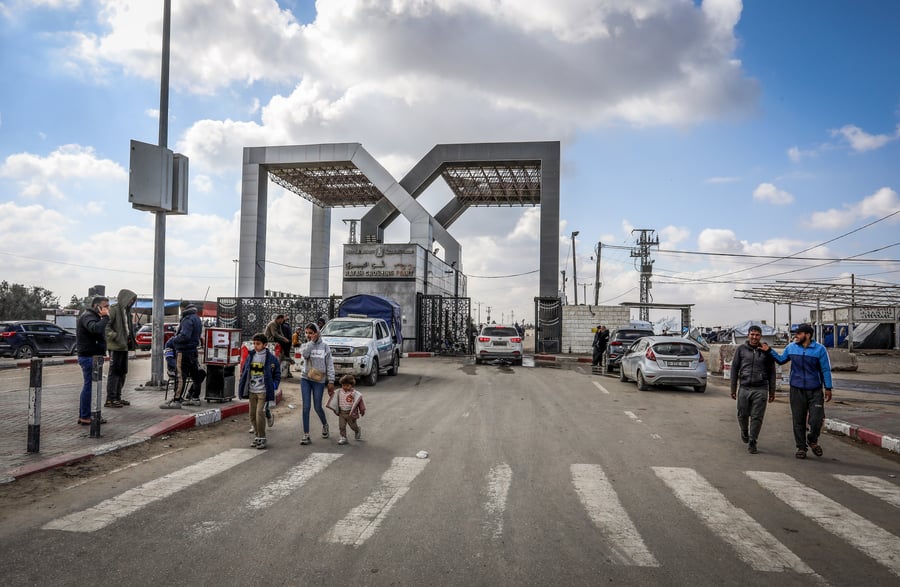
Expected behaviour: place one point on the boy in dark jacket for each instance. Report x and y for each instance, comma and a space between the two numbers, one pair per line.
260, 377
752, 378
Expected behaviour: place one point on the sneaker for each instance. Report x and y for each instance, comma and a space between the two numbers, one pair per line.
261, 445
305, 439
325, 431
173, 404
358, 434
252, 430
752, 448
192, 401
343, 440
254, 443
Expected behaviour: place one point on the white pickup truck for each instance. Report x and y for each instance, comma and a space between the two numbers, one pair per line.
362, 347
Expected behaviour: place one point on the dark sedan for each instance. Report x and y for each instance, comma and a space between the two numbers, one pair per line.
24, 339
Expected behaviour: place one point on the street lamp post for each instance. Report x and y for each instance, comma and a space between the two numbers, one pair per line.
565, 300
574, 270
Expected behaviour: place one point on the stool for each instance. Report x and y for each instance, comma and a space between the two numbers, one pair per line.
170, 384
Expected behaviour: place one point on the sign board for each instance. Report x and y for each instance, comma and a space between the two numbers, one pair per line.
380, 261
874, 314
223, 346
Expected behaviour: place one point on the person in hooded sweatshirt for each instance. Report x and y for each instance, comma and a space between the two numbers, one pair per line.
187, 358
119, 340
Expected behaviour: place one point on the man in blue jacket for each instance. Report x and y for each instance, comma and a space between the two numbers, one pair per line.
810, 371
187, 358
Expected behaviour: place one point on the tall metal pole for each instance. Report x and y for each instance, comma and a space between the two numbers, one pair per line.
574, 270
159, 240
597, 276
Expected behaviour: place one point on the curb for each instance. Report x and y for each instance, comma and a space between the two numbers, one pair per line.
26, 363
873, 437
167, 426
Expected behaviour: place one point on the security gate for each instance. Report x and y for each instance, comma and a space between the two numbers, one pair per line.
547, 325
442, 325
252, 315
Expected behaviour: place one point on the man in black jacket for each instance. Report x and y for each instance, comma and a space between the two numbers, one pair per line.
753, 371
187, 358
90, 341
601, 339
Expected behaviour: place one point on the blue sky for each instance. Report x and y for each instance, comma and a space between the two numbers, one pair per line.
760, 129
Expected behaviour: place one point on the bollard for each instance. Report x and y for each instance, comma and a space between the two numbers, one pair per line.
34, 404
97, 378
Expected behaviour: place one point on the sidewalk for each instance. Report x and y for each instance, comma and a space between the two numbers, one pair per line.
63, 441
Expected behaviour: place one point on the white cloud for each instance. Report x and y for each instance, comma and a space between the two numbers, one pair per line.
152, 113
767, 192
202, 183
673, 235
724, 179
38, 175
883, 202
861, 141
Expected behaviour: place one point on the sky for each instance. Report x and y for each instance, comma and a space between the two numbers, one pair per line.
737, 132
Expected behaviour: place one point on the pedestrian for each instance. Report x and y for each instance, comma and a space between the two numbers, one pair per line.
286, 359
187, 359
274, 334
260, 377
318, 371
119, 341
601, 339
752, 380
321, 322
810, 372
90, 341
349, 406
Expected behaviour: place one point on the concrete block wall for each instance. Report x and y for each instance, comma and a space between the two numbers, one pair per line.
579, 323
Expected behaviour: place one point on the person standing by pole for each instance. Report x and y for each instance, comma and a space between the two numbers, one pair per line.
90, 341
810, 371
119, 341
601, 339
752, 379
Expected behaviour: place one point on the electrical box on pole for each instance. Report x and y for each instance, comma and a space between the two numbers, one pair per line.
642, 251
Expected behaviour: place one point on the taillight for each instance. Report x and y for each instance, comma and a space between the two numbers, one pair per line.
484, 339
515, 339
8, 334
650, 354
701, 358
615, 343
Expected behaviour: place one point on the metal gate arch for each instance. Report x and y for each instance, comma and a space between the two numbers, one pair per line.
252, 315
547, 325
442, 324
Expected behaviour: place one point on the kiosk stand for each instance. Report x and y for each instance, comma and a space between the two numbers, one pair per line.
221, 353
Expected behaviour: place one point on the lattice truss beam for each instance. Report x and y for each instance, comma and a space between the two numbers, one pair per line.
516, 183
328, 186
823, 295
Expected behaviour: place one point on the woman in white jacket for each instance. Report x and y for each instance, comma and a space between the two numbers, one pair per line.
318, 371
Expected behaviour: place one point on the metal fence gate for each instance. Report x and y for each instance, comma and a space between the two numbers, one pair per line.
442, 325
252, 315
547, 325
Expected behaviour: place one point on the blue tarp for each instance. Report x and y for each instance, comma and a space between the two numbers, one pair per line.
145, 306
374, 307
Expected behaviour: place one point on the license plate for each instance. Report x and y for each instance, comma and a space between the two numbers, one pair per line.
499, 343
678, 364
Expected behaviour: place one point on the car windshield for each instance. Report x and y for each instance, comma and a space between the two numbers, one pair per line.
352, 329
630, 334
680, 349
499, 331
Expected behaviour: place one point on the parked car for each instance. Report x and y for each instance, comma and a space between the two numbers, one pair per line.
24, 339
362, 347
499, 342
620, 340
144, 336
663, 360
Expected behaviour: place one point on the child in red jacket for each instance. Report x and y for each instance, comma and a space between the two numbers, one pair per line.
349, 406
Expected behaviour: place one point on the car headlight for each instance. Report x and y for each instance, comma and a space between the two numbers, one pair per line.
359, 351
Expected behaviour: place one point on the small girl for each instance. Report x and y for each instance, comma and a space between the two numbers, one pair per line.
349, 406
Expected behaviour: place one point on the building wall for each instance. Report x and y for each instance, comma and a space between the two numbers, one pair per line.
580, 323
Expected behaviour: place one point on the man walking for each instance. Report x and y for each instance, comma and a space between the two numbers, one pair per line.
119, 340
274, 334
752, 378
601, 339
810, 371
187, 358
90, 341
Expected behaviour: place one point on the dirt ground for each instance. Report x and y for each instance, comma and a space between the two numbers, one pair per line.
878, 362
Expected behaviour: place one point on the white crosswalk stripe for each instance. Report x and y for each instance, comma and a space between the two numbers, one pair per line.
604, 508
294, 479
363, 520
869, 538
874, 486
498, 481
109, 511
753, 544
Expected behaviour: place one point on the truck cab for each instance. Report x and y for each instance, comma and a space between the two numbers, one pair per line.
362, 346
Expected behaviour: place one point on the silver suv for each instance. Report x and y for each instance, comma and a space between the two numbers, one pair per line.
620, 340
362, 347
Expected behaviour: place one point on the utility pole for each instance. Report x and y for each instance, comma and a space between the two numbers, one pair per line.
642, 252
574, 268
597, 276
564, 286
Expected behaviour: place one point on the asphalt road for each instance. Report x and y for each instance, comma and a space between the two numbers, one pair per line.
534, 476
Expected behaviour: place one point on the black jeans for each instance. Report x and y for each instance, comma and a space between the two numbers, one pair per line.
807, 407
118, 369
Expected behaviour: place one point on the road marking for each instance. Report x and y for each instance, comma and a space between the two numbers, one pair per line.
655, 436
120, 469
107, 512
870, 539
600, 387
498, 481
294, 479
753, 544
634, 417
874, 486
363, 520
605, 510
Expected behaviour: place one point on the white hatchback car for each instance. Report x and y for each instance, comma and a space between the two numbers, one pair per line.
499, 342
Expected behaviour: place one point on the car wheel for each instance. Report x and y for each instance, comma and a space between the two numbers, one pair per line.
395, 365
606, 366
26, 351
641, 382
477, 361
372, 378
700, 388
622, 374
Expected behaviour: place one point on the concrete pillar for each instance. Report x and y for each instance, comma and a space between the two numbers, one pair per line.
319, 251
